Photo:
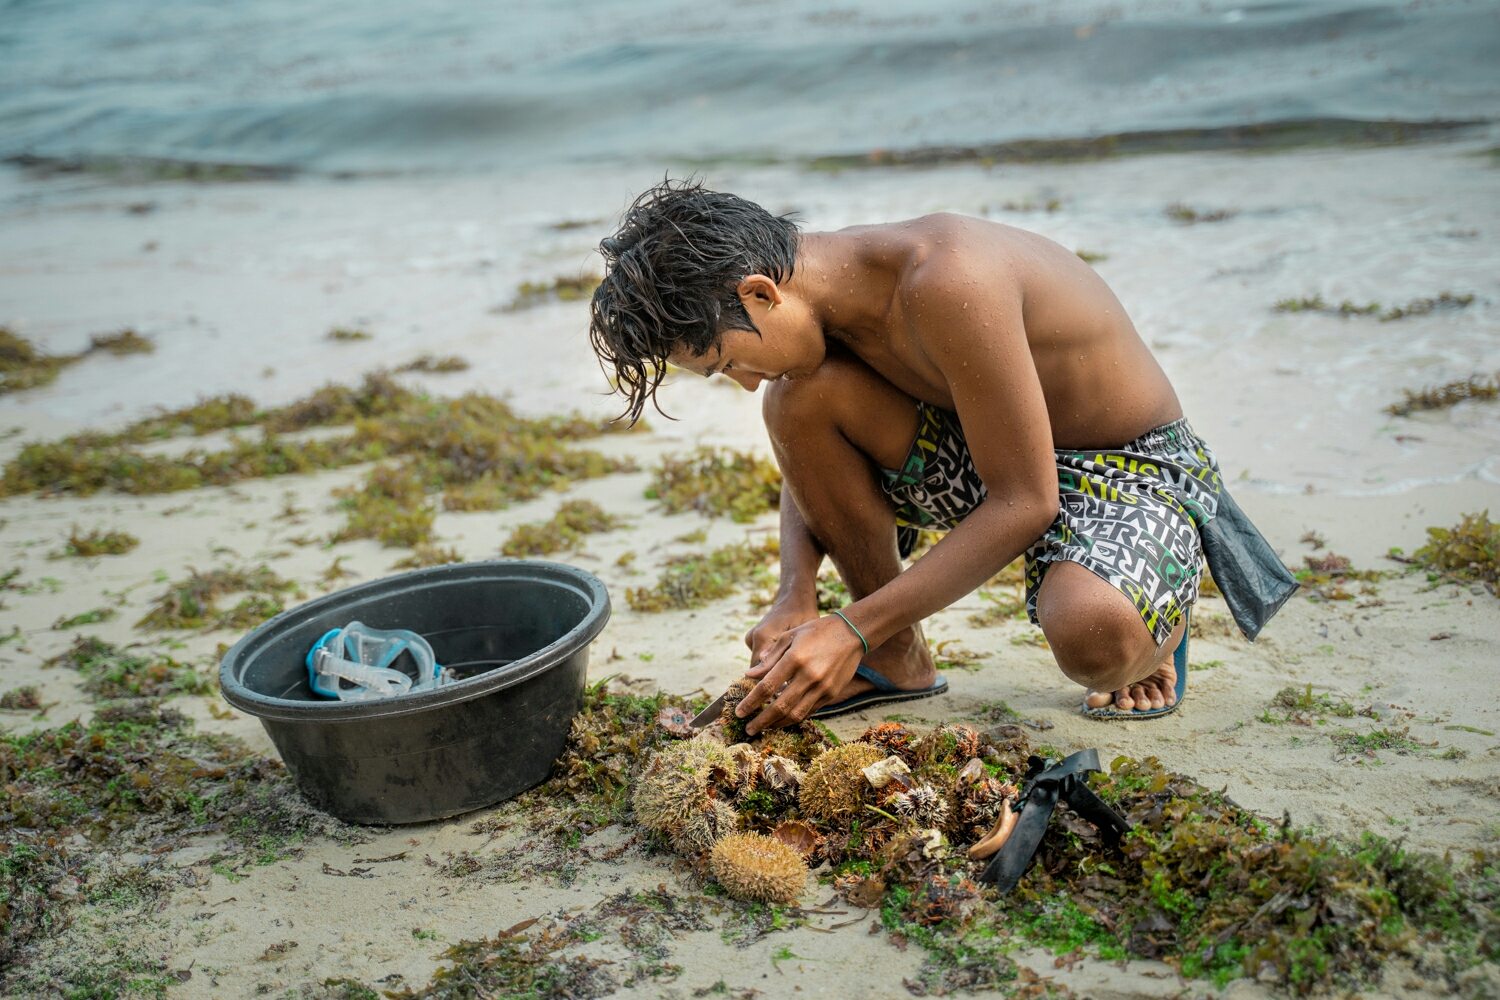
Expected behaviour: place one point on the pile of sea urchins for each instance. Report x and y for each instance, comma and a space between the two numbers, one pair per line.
756, 813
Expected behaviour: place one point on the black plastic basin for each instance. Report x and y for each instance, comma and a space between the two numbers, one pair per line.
516, 632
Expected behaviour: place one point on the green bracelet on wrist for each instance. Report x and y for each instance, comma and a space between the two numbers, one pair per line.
857, 632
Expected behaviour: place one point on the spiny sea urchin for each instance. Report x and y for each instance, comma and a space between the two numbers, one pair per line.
980, 803
893, 737
924, 804
952, 743
674, 786
734, 726
705, 827
781, 773
834, 785
747, 762
757, 868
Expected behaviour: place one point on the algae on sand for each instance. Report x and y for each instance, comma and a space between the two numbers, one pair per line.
694, 579
468, 453
1443, 396
564, 532
111, 672
98, 543
716, 482
1470, 550
22, 366
135, 779
194, 602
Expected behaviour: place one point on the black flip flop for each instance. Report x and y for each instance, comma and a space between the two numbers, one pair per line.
1108, 713
885, 693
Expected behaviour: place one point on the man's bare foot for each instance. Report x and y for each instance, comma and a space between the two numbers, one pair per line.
903, 659
1157, 691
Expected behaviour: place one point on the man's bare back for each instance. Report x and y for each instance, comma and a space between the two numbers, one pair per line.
1101, 384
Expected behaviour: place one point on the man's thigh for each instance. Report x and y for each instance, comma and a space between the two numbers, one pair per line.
845, 397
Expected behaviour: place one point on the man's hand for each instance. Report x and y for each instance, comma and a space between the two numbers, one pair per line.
805, 665
784, 615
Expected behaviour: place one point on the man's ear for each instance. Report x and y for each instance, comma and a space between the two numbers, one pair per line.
758, 293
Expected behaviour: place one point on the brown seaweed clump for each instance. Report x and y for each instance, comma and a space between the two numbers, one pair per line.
835, 785
676, 791
757, 868
1444, 396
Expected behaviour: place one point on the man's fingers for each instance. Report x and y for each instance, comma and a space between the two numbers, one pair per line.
771, 681
777, 710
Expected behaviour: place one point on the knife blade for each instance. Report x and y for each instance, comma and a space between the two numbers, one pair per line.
709, 714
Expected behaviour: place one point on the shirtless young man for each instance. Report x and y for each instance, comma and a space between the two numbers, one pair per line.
945, 372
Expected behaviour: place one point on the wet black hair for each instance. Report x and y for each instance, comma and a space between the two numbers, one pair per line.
670, 278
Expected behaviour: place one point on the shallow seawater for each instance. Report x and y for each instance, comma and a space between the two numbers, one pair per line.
351, 85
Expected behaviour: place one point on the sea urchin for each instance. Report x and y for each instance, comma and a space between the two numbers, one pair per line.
834, 785
757, 868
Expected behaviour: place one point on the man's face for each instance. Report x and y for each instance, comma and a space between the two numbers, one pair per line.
789, 344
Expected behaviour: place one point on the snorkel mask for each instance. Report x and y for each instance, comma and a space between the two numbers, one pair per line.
353, 663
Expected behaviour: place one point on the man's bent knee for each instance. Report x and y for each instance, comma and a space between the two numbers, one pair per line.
1096, 634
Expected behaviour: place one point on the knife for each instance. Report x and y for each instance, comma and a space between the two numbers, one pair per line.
709, 714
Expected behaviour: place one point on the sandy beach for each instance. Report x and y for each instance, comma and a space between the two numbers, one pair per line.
236, 285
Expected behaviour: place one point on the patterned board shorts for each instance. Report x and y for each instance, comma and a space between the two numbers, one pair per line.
1131, 515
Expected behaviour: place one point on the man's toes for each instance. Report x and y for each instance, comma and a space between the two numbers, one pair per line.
1098, 699
1123, 701
1157, 701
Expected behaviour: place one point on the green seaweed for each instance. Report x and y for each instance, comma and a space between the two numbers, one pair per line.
694, 579
427, 363
26, 698
563, 288
22, 366
110, 672
1302, 702
1346, 308
348, 333
68, 792
1187, 215
564, 532
121, 343
426, 554
716, 482
1323, 577
98, 543
93, 617
193, 603
1443, 396
1469, 551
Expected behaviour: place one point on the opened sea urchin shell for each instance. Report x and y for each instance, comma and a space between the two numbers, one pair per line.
835, 784
757, 868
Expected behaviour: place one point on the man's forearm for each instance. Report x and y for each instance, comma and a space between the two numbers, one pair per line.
801, 555
977, 548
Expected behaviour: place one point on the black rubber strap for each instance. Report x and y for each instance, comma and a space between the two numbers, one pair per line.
1046, 782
